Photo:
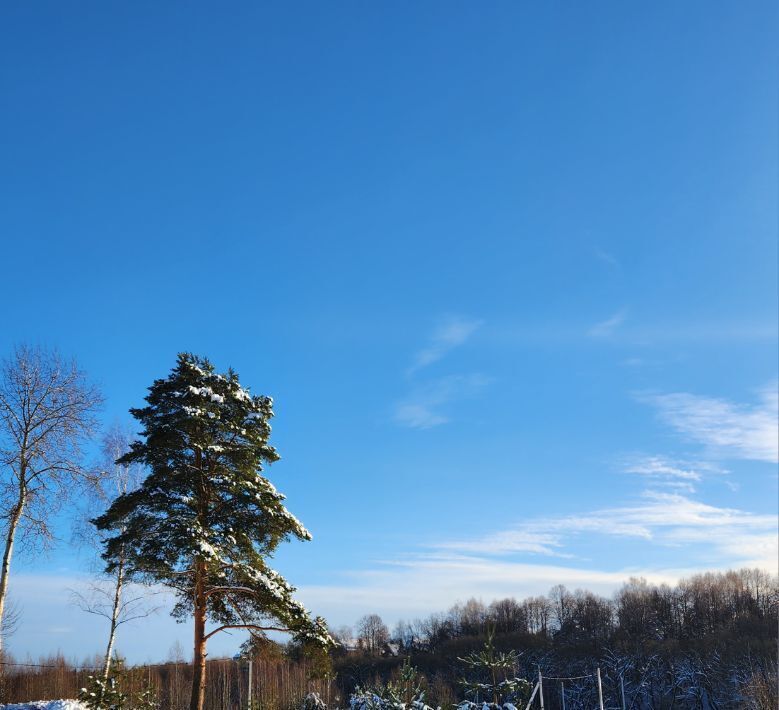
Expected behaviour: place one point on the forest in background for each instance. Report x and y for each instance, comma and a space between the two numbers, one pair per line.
708, 642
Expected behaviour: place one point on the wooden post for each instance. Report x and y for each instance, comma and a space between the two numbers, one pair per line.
600, 691
249, 705
622, 690
541, 688
562, 693
532, 696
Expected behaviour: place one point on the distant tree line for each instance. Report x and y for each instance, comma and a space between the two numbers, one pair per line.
708, 641
738, 604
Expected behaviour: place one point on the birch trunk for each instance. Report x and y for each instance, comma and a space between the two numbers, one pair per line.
13, 524
114, 617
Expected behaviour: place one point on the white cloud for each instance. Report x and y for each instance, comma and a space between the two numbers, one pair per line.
417, 415
673, 473
438, 581
46, 607
450, 333
722, 538
661, 467
607, 258
729, 429
528, 538
607, 327
425, 407
663, 518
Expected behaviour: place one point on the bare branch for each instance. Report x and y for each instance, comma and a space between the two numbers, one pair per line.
229, 590
250, 627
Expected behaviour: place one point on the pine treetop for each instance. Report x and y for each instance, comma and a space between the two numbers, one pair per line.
206, 500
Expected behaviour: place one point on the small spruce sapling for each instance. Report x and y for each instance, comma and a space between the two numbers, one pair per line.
404, 693
147, 699
407, 688
104, 692
494, 675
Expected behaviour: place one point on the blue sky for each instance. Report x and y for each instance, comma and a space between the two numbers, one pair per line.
508, 270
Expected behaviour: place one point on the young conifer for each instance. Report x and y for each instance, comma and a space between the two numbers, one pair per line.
206, 519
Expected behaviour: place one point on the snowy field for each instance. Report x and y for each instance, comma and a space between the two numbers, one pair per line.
46, 705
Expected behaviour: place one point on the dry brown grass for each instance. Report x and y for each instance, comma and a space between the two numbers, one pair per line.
762, 690
277, 685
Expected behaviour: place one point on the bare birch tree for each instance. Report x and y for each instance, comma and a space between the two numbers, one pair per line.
47, 411
372, 633
111, 597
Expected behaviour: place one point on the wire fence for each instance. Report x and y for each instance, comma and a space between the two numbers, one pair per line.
551, 693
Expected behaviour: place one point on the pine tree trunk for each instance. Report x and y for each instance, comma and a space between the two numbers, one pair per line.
199, 656
13, 524
114, 616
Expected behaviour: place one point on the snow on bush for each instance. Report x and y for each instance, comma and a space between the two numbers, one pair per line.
371, 701
312, 701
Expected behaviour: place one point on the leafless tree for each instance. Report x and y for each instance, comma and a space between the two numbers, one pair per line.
562, 603
11, 618
47, 411
470, 618
344, 636
538, 611
372, 633
405, 636
112, 601
111, 597
508, 616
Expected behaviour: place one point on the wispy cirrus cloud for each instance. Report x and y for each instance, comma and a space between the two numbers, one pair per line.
440, 580
607, 327
667, 519
47, 607
717, 538
449, 334
728, 429
671, 472
429, 405
607, 258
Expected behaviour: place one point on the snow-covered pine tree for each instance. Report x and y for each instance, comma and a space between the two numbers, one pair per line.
206, 519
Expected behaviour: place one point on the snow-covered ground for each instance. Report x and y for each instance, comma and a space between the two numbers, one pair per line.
46, 705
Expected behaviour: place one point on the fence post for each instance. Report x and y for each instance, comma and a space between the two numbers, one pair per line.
562, 693
600, 691
532, 696
541, 688
622, 690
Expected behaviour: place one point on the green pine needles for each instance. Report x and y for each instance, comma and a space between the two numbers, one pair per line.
102, 694
494, 676
206, 519
404, 693
106, 694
